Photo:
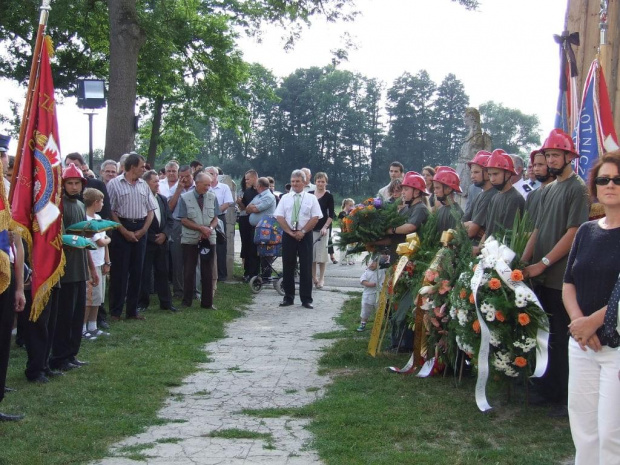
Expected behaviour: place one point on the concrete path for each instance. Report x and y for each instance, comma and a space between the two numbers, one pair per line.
269, 359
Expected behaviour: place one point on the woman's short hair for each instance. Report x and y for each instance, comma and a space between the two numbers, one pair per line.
610, 157
321, 175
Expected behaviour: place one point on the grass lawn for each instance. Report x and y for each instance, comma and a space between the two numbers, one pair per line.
75, 418
372, 416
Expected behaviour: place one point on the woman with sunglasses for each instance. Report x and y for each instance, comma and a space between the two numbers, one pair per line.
591, 293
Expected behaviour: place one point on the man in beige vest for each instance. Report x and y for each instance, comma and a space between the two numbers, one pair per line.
198, 211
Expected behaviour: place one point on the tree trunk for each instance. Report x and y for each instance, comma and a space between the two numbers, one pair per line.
155, 128
126, 38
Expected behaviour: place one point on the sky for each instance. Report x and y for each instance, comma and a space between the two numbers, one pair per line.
503, 52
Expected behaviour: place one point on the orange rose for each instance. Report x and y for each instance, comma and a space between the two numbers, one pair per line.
495, 283
471, 298
524, 319
520, 362
463, 294
499, 316
516, 275
476, 326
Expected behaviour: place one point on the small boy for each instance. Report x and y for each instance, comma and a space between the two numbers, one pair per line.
93, 200
370, 279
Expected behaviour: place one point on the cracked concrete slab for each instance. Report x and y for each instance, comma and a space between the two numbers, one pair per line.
268, 359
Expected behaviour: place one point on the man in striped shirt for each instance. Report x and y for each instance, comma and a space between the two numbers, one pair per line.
132, 206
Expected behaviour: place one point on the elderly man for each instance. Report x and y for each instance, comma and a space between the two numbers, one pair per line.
518, 182
168, 185
297, 213
225, 200
133, 207
156, 257
198, 211
185, 184
397, 171
108, 171
262, 205
308, 186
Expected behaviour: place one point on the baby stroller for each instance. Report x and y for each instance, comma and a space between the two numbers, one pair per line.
268, 240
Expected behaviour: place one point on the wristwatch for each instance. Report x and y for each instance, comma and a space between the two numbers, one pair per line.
108, 263
303, 231
545, 261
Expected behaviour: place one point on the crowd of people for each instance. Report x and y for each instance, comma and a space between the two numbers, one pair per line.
170, 223
573, 265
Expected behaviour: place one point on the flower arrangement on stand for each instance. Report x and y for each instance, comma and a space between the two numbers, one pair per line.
368, 221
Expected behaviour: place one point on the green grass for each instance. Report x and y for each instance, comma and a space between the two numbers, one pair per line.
235, 433
372, 416
74, 419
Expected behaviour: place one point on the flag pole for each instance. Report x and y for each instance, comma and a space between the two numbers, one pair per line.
34, 73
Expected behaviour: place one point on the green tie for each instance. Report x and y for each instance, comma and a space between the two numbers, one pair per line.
296, 208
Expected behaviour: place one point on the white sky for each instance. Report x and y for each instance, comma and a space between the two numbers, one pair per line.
504, 52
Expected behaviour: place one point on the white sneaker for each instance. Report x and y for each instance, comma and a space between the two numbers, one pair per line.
98, 333
89, 336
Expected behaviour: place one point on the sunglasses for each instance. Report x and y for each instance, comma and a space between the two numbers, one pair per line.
601, 181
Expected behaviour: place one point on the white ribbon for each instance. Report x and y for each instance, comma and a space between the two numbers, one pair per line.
498, 257
408, 368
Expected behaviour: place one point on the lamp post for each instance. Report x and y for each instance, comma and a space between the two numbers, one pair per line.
90, 96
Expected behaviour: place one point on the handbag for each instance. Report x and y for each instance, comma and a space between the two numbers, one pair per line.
220, 235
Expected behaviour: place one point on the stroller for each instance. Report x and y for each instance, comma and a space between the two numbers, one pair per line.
268, 240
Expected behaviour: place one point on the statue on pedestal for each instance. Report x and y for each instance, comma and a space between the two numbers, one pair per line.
474, 141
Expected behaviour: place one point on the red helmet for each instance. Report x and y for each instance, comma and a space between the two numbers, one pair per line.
72, 171
559, 140
416, 181
481, 159
448, 177
501, 160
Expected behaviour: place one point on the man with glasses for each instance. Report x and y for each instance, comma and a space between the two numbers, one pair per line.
564, 206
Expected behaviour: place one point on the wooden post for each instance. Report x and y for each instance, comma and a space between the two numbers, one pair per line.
583, 16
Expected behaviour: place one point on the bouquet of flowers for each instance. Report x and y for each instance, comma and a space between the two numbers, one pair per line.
368, 222
510, 310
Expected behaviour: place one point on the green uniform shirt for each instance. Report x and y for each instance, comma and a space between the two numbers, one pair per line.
532, 204
76, 266
502, 211
563, 205
480, 208
448, 216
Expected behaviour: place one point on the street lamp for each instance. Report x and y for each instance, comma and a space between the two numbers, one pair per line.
90, 96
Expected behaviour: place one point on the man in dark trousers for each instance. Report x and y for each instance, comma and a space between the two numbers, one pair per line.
11, 300
79, 264
156, 257
297, 213
564, 206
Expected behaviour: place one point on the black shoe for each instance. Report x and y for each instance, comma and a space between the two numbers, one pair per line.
79, 363
307, 305
103, 324
41, 379
8, 389
172, 308
53, 373
7, 417
286, 303
211, 307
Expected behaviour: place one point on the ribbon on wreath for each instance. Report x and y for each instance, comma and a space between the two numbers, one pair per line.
498, 257
431, 366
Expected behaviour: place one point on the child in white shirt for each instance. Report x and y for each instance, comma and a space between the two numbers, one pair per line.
370, 279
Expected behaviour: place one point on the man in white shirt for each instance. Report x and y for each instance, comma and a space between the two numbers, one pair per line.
308, 186
225, 199
168, 186
518, 183
297, 213
397, 171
